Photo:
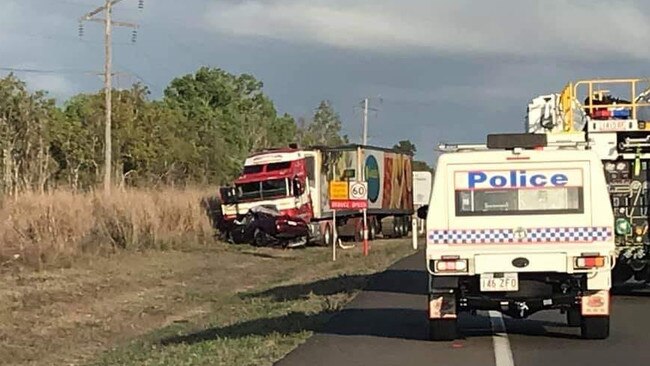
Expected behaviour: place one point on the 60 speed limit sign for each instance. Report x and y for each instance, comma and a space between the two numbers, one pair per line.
358, 190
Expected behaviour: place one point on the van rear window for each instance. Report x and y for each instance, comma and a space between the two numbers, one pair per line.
519, 192
519, 202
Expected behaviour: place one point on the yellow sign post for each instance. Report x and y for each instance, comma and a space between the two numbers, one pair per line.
339, 191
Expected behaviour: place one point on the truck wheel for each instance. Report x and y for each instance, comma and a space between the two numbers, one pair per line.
443, 329
328, 236
573, 317
358, 233
594, 327
406, 225
372, 230
397, 227
621, 273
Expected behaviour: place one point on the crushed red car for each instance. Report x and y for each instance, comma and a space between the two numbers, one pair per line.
266, 226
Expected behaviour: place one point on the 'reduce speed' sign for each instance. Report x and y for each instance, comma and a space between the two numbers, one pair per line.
356, 197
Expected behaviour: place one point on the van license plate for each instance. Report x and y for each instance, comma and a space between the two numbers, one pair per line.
499, 282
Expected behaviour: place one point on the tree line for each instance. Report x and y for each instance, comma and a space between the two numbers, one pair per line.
199, 132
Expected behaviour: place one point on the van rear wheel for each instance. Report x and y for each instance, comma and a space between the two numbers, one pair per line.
443, 329
573, 317
594, 327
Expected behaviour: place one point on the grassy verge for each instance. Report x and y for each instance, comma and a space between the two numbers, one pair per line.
205, 305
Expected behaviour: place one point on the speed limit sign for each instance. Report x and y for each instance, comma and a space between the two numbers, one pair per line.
359, 191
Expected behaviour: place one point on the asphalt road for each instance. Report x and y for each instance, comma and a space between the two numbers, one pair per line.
386, 325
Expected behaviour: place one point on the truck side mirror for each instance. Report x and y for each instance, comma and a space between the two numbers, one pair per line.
298, 188
423, 211
228, 195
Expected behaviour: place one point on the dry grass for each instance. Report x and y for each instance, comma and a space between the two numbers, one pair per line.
55, 228
116, 310
126, 304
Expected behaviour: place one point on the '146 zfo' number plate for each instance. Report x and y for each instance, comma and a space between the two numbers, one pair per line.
499, 282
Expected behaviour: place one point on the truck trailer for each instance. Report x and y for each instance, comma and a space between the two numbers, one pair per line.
294, 183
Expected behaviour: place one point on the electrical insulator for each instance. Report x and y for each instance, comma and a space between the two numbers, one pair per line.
81, 30
134, 36
140, 4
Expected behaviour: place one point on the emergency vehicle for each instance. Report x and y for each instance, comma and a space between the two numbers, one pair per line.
519, 225
613, 116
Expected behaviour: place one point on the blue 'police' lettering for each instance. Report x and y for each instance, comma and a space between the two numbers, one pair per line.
498, 181
538, 180
559, 180
515, 179
476, 177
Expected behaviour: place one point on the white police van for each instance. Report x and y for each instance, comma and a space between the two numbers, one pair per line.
518, 226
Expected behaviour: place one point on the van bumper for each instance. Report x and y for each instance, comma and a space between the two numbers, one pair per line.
517, 308
537, 292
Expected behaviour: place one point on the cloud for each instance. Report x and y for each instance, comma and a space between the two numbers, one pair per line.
56, 85
451, 94
579, 29
7, 16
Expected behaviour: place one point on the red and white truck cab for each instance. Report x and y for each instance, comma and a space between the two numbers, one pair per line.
275, 179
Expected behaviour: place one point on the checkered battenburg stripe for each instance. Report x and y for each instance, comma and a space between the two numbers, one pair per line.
534, 235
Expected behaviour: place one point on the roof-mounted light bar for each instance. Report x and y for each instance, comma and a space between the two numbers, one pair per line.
515, 140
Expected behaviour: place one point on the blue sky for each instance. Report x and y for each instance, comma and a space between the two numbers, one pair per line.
438, 70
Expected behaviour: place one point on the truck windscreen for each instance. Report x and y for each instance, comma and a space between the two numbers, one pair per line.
263, 190
544, 201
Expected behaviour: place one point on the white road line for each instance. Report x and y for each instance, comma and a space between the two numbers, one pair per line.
502, 351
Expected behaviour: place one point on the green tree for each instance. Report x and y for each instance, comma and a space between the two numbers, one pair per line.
324, 128
201, 131
228, 116
26, 120
78, 140
77, 143
408, 147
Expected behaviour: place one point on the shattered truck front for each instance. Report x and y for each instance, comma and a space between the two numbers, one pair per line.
520, 226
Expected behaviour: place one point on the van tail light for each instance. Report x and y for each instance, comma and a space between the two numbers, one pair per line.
587, 262
451, 265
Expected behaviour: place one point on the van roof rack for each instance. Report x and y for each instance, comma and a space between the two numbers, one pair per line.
512, 141
462, 147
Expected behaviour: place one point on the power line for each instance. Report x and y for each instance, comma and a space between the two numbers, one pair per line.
69, 71
44, 71
65, 2
134, 74
62, 38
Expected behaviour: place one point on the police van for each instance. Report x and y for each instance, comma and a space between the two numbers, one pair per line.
518, 226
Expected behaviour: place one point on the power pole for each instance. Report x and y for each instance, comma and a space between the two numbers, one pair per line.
108, 94
366, 108
108, 75
365, 122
